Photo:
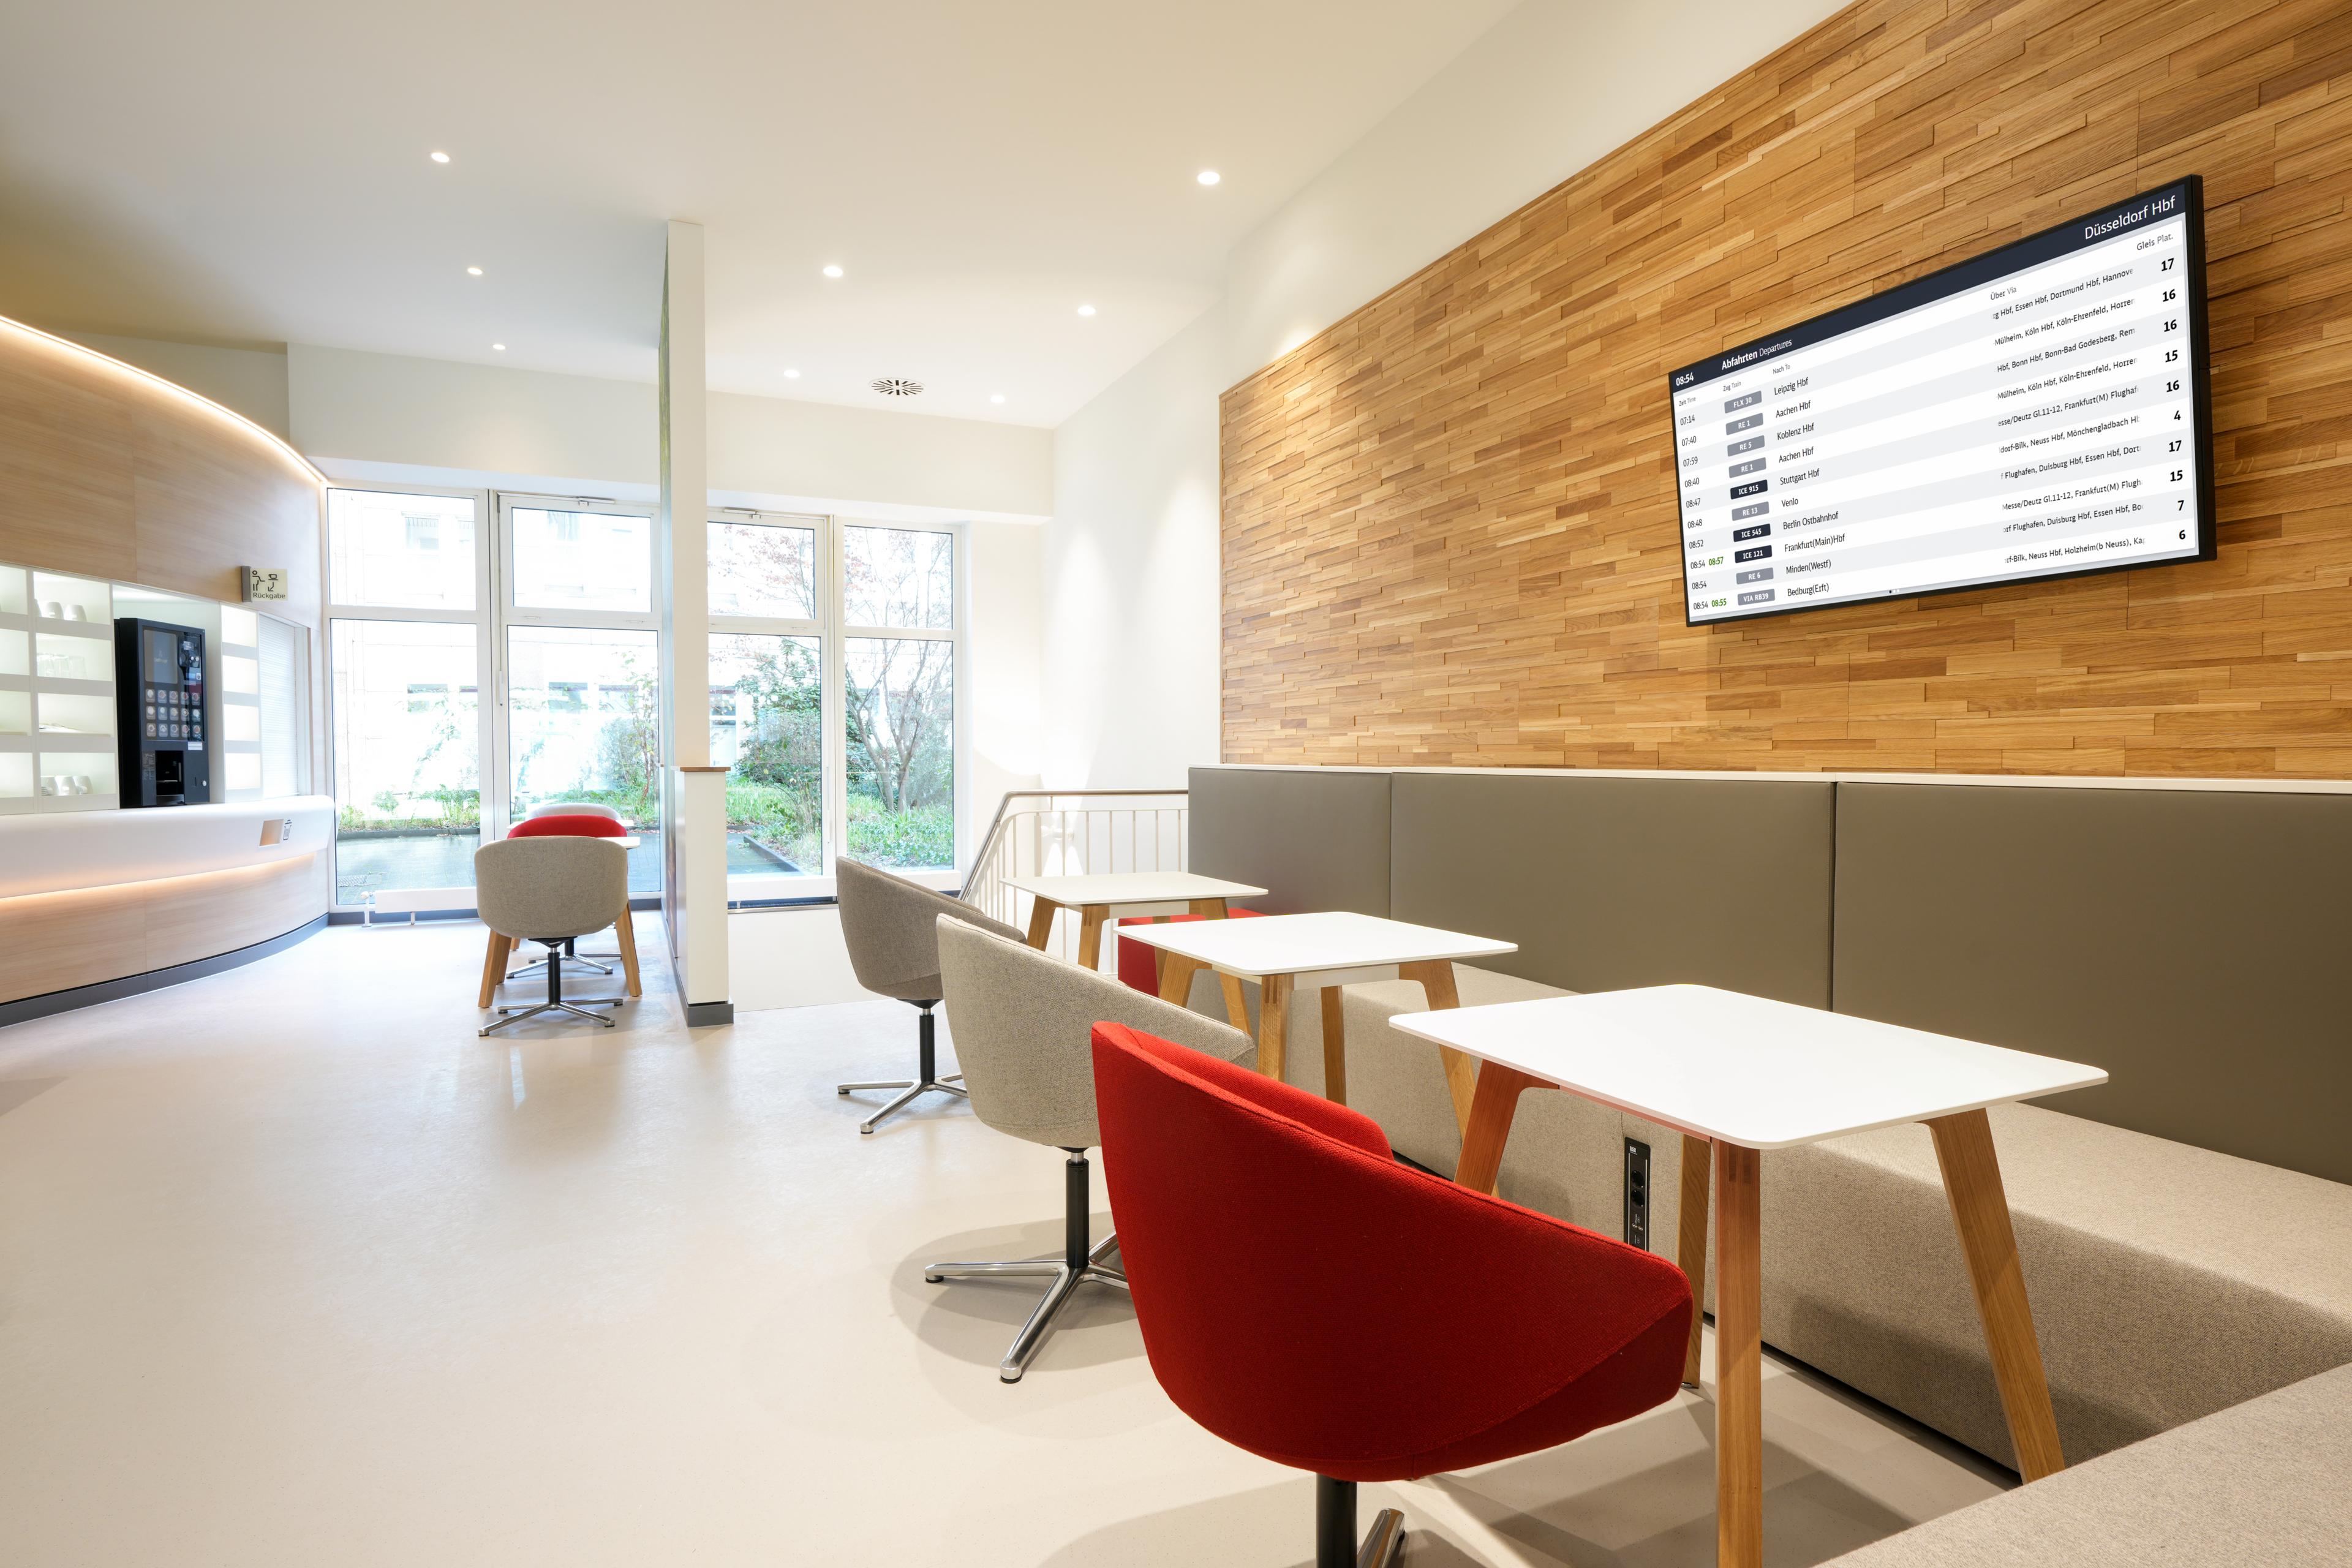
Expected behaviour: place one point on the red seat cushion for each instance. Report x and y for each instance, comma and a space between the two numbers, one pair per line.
580, 826
1304, 1296
1139, 962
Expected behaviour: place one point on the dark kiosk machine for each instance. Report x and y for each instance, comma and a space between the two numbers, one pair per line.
159, 698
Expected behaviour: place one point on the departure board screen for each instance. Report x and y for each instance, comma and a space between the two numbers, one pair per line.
2038, 411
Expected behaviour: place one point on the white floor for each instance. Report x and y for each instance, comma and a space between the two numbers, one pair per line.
295, 1269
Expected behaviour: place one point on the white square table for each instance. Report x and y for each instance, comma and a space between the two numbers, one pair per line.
1327, 950
1738, 1074
1103, 896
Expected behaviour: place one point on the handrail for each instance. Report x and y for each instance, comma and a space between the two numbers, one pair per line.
1073, 830
996, 823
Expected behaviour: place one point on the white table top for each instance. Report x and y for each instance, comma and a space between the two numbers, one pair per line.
1308, 944
1763, 1075
1131, 888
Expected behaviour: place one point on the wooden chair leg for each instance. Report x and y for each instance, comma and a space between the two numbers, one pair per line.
1690, 1242
494, 968
1980, 1209
1335, 1047
627, 931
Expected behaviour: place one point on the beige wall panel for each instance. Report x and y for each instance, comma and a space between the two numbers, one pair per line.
1449, 524
55, 941
190, 918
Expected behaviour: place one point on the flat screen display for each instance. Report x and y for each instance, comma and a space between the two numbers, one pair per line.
2039, 411
163, 658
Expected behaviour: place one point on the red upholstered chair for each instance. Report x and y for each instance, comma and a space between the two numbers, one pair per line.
1307, 1298
583, 825
1139, 962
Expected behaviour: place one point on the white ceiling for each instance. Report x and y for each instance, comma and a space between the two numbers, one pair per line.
249, 171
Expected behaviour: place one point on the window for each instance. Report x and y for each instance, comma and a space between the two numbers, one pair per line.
480, 669
401, 552
833, 694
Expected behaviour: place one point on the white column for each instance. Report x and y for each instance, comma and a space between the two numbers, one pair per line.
694, 796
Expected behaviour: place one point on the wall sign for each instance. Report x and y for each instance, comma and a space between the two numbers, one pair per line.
263, 583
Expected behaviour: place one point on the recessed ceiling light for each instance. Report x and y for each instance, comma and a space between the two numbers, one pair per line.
831, 272
499, 348
791, 375
996, 398
1086, 309
440, 157
473, 272
1208, 177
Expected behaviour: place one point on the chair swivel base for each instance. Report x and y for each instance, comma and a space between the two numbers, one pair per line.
578, 1010
573, 963
1080, 1264
927, 1079
1335, 1530
555, 1001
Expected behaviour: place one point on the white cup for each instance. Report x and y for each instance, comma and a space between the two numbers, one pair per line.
76, 613
53, 610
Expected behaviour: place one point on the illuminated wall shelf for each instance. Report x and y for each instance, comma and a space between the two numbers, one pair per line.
56, 693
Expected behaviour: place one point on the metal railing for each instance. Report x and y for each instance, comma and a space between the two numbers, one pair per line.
1071, 833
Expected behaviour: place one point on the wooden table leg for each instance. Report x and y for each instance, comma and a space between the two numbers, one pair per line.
1738, 1360
1335, 1047
1090, 927
627, 929
494, 967
1041, 920
1981, 1210
1209, 908
1437, 978
1690, 1243
1273, 1024
1496, 1102
1176, 978
1236, 1002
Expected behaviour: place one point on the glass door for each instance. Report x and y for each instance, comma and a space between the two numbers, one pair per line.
579, 676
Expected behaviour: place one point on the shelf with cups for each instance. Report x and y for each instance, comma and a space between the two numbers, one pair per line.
56, 692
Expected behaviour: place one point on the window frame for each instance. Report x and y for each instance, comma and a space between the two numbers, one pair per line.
831, 628
495, 614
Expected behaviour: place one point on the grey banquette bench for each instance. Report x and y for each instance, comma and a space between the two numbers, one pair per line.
2186, 1229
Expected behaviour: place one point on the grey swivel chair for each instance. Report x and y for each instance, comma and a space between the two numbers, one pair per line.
547, 891
886, 925
571, 950
1023, 1029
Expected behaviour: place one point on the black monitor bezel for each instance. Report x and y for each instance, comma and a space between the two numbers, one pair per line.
1929, 286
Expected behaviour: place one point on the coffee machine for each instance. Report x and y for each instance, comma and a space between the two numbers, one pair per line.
159, 701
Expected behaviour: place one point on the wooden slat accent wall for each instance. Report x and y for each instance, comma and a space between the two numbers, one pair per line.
1450, 533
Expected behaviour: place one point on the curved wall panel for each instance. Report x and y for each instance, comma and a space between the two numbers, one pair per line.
109, 472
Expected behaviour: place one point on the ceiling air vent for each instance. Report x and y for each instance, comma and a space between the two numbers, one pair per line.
898, 386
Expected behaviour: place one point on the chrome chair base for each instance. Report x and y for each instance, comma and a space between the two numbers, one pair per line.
925, 1081
1335, 1545
947, 1085
1080, 1264
579, 1010
555, 1003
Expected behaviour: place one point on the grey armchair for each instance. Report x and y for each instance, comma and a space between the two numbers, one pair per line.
1024, 1026
886, 922
547, 891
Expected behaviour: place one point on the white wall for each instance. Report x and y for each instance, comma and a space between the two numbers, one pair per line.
1130, 611
1550, 89
1002, 651
251, 381
530, 429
